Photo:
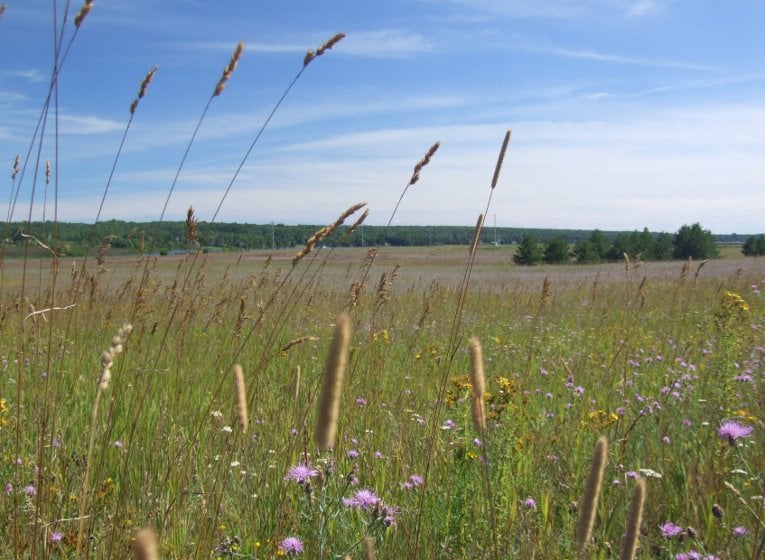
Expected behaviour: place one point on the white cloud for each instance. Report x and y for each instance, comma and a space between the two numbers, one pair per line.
82, 125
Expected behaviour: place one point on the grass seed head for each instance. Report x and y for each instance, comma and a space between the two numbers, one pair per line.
83, 13
145, 545
634, 521
332, 385
229, 69
500, 159
589, 504
241, 397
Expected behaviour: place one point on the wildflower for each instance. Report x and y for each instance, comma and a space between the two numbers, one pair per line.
579, 391
665, 439
530, 503
362, 499
361, 401
30, 490
670, 530
118, 444
8, 489
353, 454
379, 455
739, 532
291, 546
448, 425
632, 474
416, 480
301, 473
388, 514
690, 555
477, 442
732, 430
56, 537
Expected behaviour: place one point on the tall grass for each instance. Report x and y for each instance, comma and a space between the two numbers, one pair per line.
430, 447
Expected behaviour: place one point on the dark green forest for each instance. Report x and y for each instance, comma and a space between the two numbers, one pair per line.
121, 237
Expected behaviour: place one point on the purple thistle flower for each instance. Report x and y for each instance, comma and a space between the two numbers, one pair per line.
530, 503
732, 430
690, 555
389, 515
448, 425
291, 546
362, 499
30, 490
301, 473
416, 480
353, 454
56, 537
8, 489
361, 401
739, 532
669, 530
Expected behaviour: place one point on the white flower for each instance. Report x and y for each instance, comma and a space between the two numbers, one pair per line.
650, 473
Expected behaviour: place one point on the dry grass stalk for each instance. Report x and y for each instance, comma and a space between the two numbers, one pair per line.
500, 159
326, 231
296, 392
192, 234
241, 397
296, 341
698, 271
589, 504
476, 235
142, 90
369, 548
686, 268
626, 264
354, 226
331, 42
332, 385
229, 69
83, 13
2, 9
145, 545
641, 290
107, 358
547, 292
478, 384
634, 521
423, 162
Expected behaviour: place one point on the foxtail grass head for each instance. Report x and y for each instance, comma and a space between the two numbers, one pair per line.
589, 504
332, 385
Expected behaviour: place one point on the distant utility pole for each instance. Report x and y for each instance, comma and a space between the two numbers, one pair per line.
496, 240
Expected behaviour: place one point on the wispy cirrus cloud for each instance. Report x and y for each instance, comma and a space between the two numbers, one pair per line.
598, 56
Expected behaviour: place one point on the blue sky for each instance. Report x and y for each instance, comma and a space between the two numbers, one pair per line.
625, 113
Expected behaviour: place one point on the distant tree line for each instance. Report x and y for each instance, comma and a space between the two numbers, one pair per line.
535, 245
689, 242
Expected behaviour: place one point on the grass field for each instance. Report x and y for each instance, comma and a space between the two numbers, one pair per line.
390, 403
653, 357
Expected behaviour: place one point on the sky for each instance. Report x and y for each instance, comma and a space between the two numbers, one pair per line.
624, 113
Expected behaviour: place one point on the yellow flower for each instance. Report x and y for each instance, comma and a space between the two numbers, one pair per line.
599, 419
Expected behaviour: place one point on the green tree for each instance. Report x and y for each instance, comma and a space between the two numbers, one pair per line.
754, 246
556, 251
529, 252
663, 247
593, 249
694, 242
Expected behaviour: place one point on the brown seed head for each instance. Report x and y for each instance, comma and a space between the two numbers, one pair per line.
142, 90
145, 545
423, 162
478, 385
326, 232
16, 167
229, 69
634, 521
310, 55
500, 159
47, 172
83, 13
476, 235
2, 9
241, 397
332, 385
589, 504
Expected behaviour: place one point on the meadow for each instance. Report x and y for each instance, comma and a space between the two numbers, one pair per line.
433, 402
656, 357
